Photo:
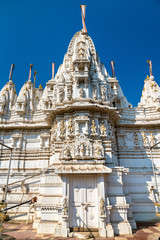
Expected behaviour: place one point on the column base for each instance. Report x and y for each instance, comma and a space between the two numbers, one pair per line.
102, 232
36, 223
64, 233
46, 227
109, 230
122, 228
106, 232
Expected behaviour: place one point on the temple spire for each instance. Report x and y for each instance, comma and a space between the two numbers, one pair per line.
53, 66
30, 72
11, 72
150, 67
113, 70
83, 12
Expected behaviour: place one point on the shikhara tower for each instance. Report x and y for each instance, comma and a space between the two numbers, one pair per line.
86, 142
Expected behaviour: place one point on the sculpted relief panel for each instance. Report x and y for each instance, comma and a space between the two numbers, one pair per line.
73, 126
82, 148
137, 139
82, 137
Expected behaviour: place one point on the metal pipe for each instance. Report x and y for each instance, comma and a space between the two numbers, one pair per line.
33, 200
25, 179
9, 168
17, 205
6, 146
6, 188
154, 145
153, 167
155, 179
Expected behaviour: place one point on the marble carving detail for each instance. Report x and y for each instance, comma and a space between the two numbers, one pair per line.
103, 129
65, 206
93, 128
102, 206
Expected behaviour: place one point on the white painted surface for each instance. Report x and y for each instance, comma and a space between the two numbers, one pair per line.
83, 202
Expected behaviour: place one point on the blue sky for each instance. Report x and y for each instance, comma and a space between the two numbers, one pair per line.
39, 31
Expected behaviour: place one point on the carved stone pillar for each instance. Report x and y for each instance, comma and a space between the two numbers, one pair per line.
109, 228
102, 210
65, 206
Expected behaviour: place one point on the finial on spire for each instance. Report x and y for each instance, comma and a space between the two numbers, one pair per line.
40, 86
35, 73
150, 67
11, 72
30, 71
53, 66
83, 12
112, 67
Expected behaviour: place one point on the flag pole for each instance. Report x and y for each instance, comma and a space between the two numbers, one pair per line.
53, 67
30, 72
35, 73
83, 12
11, 72
150, 67
113, 69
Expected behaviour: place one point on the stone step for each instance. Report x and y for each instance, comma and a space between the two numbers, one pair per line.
84, 235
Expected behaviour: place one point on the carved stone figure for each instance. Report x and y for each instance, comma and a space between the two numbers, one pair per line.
81, 93
55, 94
102, 206
136, 140
61, 94
69, 92
103, 129
94, 92
62, 128
93, 128
152, 140
65, 206
67, 152
87, 150
103, 93
54, 130
98, 149
70, 127
82, 149
144, 138
110, 131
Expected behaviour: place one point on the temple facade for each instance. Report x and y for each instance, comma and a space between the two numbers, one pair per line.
80, 147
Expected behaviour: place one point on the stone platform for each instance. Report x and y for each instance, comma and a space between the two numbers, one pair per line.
26, 232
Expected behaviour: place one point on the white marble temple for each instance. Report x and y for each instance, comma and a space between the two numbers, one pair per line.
88, 146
